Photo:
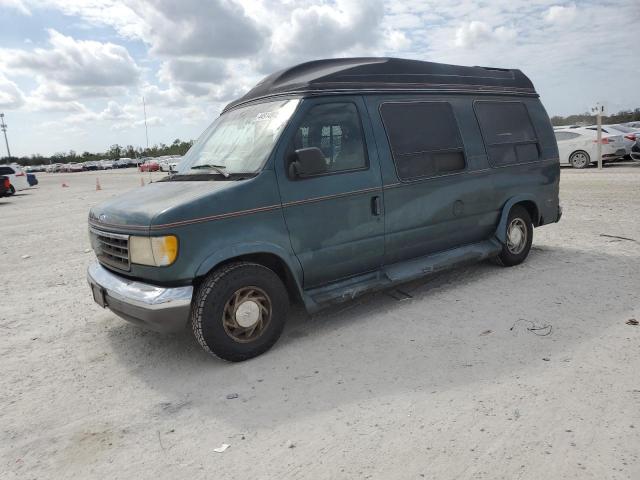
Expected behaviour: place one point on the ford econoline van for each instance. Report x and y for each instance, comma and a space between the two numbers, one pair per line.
325, 181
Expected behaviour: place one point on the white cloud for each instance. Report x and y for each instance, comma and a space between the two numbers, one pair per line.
52, 91
18, 5
166, 98
114, 111
11, 97
326, 29
197, 77
154, 121
476, 32
560, 14
77, 63
200, 71
216, 28
115, 13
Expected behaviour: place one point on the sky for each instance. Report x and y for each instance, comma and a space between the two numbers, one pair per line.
73, 72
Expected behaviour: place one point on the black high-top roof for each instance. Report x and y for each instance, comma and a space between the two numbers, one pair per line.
371, 74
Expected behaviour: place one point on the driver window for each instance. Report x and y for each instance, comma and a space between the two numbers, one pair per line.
336, 130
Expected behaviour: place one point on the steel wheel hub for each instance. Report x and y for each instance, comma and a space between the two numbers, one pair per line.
247, 314
516, 236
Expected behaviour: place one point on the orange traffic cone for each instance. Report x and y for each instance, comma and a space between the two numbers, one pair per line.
64, 185
141, 182
98, 187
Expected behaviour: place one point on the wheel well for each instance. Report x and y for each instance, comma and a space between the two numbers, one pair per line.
579, 151
272, 262
532, 209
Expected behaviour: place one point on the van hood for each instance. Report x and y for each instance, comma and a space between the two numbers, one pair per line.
137, 209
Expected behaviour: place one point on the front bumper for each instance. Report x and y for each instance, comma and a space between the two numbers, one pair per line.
157, 308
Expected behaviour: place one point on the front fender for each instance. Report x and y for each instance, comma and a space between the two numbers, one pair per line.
238, 250
501, 231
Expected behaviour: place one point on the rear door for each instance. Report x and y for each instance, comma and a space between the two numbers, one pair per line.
335, 219
438, 192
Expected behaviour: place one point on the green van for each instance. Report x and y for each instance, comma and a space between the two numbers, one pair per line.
327, 180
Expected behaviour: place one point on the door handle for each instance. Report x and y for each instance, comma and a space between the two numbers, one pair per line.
376, 206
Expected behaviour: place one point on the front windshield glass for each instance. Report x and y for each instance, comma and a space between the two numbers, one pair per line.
240, 140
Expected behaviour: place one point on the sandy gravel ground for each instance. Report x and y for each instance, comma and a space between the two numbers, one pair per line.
448, 384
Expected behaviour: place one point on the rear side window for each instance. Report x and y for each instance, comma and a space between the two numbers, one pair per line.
508, 133
424, 138
566, 135
6, 171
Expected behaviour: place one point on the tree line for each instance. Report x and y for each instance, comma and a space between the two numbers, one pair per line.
589, 119
178, 147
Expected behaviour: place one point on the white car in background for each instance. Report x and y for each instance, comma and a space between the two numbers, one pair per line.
171, 164
578, 146
16, 175
627, 140
74, 167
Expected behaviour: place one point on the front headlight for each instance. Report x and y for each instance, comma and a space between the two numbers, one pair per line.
153, 251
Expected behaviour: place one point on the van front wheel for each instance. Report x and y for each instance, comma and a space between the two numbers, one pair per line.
239, 311
518, 237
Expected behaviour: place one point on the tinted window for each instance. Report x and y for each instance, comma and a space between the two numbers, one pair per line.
508, 133
336, 130
6, 171
566, 135
424, 138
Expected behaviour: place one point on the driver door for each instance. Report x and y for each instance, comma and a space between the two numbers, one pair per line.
335, 218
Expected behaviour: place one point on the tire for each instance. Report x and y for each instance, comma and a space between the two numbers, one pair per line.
579, 159
516, 248
239, 292
12, 190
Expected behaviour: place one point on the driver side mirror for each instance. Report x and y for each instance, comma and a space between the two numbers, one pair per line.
307, 162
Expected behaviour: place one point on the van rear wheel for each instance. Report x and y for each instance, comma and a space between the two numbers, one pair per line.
239, 311
519, 236
579, 159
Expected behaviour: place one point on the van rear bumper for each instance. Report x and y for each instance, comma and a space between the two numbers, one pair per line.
150, 306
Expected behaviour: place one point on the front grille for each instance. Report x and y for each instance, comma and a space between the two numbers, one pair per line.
111, 248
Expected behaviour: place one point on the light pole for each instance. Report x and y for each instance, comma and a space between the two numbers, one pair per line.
146, 131
3, 126
599, 111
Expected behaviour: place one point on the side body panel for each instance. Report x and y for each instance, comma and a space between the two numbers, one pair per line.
428, 215
540, 180
333, 229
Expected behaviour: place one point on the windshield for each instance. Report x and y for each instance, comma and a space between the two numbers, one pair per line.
240, 140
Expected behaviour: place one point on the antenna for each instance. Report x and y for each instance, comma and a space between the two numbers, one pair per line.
3, 127
146, 130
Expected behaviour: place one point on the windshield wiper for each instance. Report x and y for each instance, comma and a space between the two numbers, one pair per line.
217, 168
